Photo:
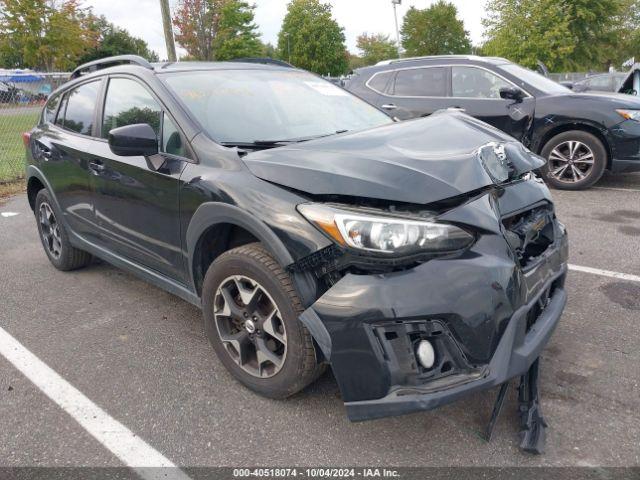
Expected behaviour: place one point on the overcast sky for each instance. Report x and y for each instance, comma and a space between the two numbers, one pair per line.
356, 16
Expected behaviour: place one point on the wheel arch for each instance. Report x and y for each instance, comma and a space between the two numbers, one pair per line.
35, 182
566, 127
217, 227
34, 185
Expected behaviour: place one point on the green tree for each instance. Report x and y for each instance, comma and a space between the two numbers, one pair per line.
43, 34
376, 47
237, 33
112, 40
313, 37
434, 31
355, 62
269, 51
217, 29
567, 35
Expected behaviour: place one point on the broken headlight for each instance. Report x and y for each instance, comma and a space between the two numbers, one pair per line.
362, 230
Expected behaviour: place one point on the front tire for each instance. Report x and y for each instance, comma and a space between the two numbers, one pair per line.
54, 237
251, 314
575, 160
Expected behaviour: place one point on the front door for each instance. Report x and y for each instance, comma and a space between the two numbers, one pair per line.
136, 204
477, 91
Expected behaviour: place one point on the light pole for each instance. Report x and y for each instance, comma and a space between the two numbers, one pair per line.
395, 15
286, 34
168, 30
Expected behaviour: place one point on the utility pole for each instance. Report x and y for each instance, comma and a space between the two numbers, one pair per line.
286, 34
168, 30
395, 15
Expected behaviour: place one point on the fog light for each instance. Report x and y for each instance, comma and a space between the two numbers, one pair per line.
426, 354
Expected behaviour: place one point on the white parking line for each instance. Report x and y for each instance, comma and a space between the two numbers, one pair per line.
605, 273
118, 439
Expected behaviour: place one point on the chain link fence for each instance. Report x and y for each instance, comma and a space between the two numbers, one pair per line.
22, 95
570, 77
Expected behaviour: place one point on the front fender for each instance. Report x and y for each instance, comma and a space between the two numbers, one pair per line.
216, 213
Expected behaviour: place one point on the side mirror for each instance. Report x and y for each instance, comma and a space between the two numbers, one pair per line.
511, 93
134, 140
567, 84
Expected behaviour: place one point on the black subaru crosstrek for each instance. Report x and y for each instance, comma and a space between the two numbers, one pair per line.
580, 134
421, 260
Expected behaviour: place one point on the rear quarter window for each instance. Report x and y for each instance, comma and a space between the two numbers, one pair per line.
380, 81
50, 109
80, 108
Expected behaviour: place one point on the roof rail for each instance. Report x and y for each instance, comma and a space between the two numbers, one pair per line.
426, 57
110, 62
264, 61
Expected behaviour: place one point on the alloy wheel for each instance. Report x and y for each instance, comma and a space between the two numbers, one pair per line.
250, 326
50, 230
571, 161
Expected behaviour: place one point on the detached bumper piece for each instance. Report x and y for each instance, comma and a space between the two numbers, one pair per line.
533, 434
533, 425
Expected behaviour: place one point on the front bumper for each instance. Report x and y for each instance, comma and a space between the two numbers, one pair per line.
487, 317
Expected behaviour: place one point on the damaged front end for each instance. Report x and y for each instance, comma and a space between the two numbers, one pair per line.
447, 267
487, 310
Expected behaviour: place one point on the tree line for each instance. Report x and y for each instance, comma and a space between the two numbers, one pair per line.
57, 35
567, 35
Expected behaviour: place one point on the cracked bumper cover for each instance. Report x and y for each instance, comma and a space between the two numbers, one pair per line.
488, 319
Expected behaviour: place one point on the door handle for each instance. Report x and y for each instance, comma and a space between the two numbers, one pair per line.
44, 150
97, 166
389, 106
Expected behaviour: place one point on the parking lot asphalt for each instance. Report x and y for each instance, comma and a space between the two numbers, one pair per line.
141, 355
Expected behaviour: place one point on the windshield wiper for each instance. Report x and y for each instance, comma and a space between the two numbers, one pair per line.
276, 143
257, 144
298, 139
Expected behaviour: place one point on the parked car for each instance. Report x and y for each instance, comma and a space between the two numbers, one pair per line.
422, 260
581, 135
604, 82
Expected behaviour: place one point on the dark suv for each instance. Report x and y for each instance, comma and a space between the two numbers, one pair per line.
421, 260
580, 134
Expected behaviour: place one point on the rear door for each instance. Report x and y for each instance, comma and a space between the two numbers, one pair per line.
477, 91
136, 204
64, 148
416, 92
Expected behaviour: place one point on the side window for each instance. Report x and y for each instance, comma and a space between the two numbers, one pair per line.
471, 82
50, 109
79, 111
172, 139
421, 82
128, 103
380, 81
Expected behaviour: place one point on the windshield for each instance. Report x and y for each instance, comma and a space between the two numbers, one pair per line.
537, 81
248, 106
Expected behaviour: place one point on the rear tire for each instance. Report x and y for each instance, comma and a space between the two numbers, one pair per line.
242, 289
575, 160
54, 237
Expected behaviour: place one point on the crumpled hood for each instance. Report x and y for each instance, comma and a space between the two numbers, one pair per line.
419, 161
